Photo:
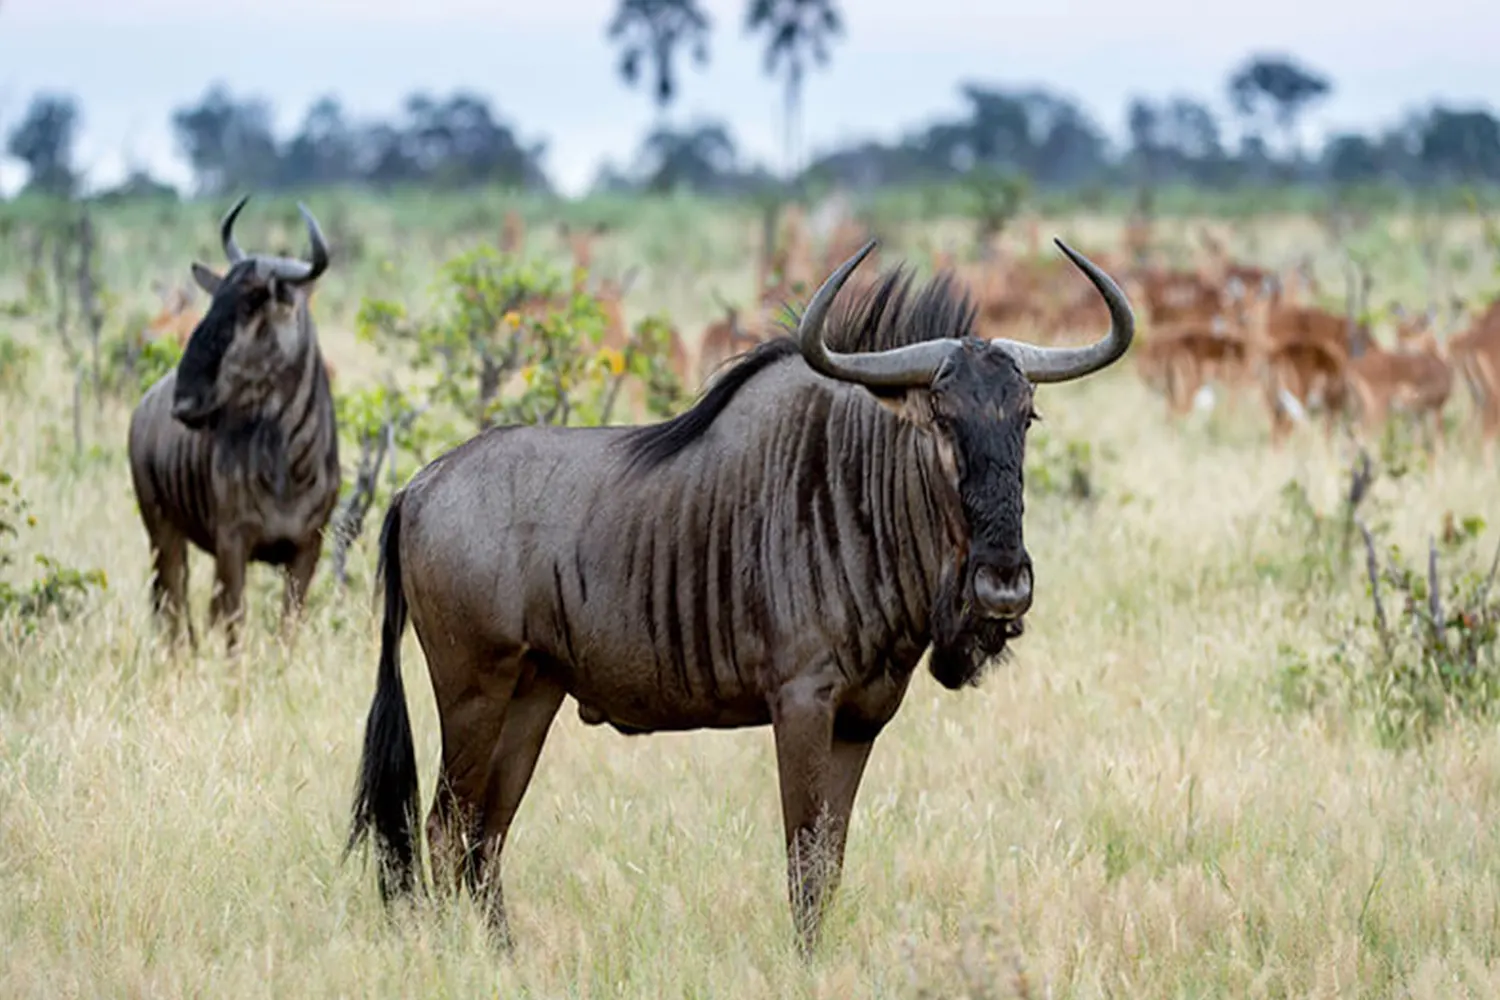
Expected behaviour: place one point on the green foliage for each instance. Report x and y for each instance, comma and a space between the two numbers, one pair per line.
996, 197
500, 317
1424, 652
1435, 659
509, 342
58, 589
1061, 467
156, 358
132, 361
367, 415
648, 357
14, 359
1320, 543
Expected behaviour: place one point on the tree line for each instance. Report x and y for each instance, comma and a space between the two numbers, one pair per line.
461, 140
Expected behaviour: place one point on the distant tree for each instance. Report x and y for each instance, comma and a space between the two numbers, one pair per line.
1352, 159
653, 30
1041, 134
139, 185
228, 142
44, 142
1461, 146
459, 142
1193, 130
797, 32
1277, 88
700, 157
324, 150
1143, 121
1175, 140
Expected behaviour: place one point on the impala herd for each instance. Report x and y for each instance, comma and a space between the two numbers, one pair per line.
1225, 326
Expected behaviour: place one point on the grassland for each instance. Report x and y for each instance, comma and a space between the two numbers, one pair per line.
1126, 808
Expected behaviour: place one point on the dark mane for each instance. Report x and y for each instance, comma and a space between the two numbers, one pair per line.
877, 317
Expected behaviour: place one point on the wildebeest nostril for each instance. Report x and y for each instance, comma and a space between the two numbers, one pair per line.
1003, 593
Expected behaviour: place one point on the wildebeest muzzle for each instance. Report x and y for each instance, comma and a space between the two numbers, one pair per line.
1002, 587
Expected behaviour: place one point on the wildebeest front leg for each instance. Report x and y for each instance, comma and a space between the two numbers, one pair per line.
169, 582
227, 605
819, 777
299, 574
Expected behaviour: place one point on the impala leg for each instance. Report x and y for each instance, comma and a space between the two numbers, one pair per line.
819, 776
227, 605
1439, 432
527, 721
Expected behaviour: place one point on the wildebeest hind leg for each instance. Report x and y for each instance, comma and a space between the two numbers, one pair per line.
471, 711
527, 721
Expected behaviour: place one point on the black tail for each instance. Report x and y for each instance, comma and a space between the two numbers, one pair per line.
387, 797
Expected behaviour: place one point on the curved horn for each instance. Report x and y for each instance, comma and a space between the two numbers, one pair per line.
226, 232
902, 367
1062, 364
298, 272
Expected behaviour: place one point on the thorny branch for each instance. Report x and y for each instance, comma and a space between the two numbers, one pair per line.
374, 450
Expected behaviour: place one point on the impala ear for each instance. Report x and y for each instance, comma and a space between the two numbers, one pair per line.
206, 279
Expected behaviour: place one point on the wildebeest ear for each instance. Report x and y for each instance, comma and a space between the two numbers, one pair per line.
206, 279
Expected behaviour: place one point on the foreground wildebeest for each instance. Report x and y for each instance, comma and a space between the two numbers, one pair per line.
236, 450
783, 552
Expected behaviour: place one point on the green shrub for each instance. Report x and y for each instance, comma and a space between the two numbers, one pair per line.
58, 590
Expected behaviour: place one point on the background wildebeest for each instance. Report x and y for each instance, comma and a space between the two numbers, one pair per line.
783, 552
236, 450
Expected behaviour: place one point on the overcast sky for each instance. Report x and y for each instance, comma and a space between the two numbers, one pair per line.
548, 68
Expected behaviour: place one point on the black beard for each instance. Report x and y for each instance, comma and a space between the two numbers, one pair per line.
963, 643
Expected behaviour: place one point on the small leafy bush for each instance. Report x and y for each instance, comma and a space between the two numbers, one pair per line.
58, 590
1061, 467
1424, 652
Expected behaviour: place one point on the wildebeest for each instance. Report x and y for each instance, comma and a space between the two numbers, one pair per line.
782, 553
236, 450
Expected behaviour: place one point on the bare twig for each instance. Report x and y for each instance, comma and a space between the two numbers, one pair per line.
350, 520
1372, 567
1361, 477
88, 298
1434, 599
1484, 592
375, 450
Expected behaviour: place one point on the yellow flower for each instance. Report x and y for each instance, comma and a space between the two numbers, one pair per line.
512, 319
529, 374
613, 359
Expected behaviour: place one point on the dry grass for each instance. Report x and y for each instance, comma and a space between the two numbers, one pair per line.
1120, 810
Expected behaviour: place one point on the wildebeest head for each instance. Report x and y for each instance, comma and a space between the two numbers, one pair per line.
255, 327
974, 398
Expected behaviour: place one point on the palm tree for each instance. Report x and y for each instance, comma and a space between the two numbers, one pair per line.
653, 29
797, 30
